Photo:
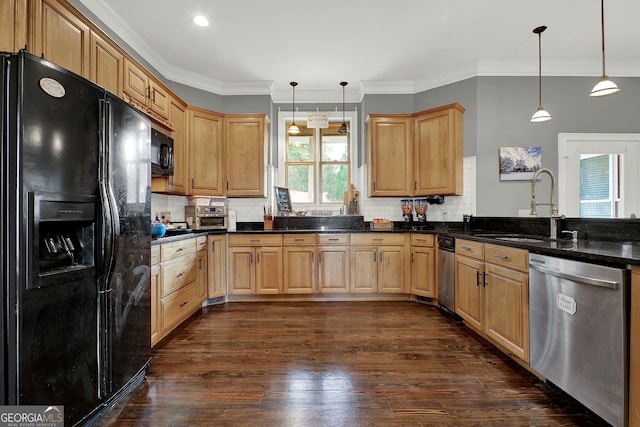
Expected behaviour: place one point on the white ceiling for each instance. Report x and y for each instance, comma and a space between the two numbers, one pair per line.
378, 46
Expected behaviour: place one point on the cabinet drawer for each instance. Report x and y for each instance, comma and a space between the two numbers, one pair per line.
176, 273
299, 239
333, 239
422, 240
377, 239
201, 243
470, 248
176, 249
179, 306
255, 240
518, 259
155, 254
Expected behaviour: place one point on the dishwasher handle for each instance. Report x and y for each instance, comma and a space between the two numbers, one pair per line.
610, 284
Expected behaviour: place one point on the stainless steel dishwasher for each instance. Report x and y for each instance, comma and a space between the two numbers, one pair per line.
579, 331
446, 271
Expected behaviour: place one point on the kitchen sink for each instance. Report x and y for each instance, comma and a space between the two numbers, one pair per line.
520, 239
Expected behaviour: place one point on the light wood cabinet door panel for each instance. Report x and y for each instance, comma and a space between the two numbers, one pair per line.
391, 269
61, 36
390, 161
201, 275
364, 269
13, 25
206, 152
423, 271
136, 82
469, 279
246, 144
333, 269
156, 306
217, 265
106, 65
242, 272
269, 270
299, 269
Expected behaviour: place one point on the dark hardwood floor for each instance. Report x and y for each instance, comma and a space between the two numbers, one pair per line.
337, 364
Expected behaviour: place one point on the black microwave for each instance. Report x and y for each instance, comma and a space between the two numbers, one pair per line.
161, 154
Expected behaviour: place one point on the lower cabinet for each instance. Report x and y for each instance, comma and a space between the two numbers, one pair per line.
255, 264
217, 265
423, 265
379, 263
177, 282
333, 264
300, 261
492, 293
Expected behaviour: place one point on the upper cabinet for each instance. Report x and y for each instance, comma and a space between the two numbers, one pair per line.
106, 64
390, 165
144, 92
437, 151
13, 25
178, 182
416, 155
205, 152
59, 33
246, 137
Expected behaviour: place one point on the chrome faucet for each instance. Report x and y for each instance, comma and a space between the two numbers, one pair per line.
553, 230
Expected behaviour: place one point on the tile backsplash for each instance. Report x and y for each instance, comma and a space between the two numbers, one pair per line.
251, 209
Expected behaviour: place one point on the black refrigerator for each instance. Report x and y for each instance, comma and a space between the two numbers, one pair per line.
75, 236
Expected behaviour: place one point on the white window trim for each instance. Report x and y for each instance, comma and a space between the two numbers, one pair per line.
571, 145
351, 117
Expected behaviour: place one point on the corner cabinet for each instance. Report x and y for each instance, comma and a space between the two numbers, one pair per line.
492, 293
217, 265
438, 151
390, 162
246, 137
13, 25
423, 261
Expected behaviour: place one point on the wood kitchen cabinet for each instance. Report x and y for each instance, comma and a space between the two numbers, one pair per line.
379, 263
206, 152
492, 293
178, 182
437, 151
300, 259
13, 25
144, 92
156, 326
390, 162
106, 64
201, 268
246, 137
333, 263
423, 265
255, 264
217, 265
61, 34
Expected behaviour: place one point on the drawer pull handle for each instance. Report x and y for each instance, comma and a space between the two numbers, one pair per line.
422, 240
184, 303
467, 248
502, 257
182, 273
378, 240
255, 241
333, 240
298, 240
179, 249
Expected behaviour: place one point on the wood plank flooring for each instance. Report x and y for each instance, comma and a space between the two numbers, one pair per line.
337, 364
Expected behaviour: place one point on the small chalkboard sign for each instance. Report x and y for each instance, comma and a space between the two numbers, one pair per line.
283, 200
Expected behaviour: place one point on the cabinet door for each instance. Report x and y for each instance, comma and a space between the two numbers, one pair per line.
201, 275
136, 82
364, 269
333, 269
245, 143
106, 65
391, 269
423, 271
269, 270
158, 100
390, 164
506, 318
61, 36
156, 306
178, 117
13, 25
438, 151
242, 272
206, 151
217, 265
299, 269
469, 284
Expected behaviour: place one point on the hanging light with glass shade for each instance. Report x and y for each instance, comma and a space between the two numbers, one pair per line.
343, 127
541, 115
604, 86
294, 129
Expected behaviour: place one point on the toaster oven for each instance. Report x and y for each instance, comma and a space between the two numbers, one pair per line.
207, 217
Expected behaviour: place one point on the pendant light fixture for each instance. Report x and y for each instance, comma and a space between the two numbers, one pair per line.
343, 127
604, 86
541, 115
294, 129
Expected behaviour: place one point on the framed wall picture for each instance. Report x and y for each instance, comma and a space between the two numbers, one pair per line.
283, 200
519, 163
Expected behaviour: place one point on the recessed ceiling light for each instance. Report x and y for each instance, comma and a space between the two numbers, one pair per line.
201, 21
